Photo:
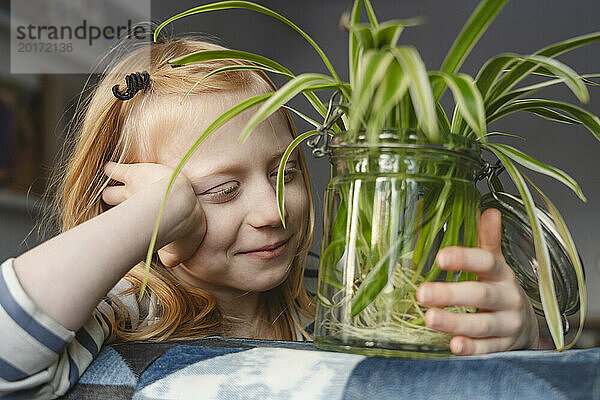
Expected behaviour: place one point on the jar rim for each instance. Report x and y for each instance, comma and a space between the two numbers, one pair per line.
411, 139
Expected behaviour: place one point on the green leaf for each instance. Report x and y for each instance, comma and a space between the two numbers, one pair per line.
353, 42
569, 243
540, 71
566, 75
374, 282
388, 32
393, 86
235, 68
478, 22
420, 89
556, 49
282, 96
571, 78
372, 69
217, 123
225, 5
371, 14
308, 119
489, 134
505, 99
525, 67
381, 36
443, 122
552, 115
537, 166
364, 34
210, 55
491, 70
281, 170
546, 282
587, 119
468, 100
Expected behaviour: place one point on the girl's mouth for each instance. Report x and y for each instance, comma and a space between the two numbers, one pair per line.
273, 252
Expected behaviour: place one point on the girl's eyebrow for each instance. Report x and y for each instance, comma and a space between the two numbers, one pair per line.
225, 168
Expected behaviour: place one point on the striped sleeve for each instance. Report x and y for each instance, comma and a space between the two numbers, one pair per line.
39, 358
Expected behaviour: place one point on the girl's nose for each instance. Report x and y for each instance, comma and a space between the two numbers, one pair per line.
263, 210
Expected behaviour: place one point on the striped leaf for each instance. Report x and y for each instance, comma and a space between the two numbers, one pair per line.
353, 42
372, 69
234, 68
493, 106
569, 243
211, 55
388, 32
478, 22
391, 90
371, 13
589, 120
468, 101
420, 89
281, 170
524, 68
545, 280
571, 78
282, 96
492, 70
365, 35
308, 119
552, 115
443, 122
537, 166
227, 5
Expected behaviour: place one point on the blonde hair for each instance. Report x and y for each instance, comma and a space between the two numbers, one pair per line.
105, 130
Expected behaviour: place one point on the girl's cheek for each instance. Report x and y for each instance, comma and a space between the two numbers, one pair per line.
296, 199
220, 221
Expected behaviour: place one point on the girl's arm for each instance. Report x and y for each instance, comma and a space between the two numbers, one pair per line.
53, 290
41, 359
69, 274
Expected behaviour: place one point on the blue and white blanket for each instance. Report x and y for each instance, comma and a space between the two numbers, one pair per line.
217, 368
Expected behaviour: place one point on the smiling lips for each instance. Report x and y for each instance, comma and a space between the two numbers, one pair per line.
269, 251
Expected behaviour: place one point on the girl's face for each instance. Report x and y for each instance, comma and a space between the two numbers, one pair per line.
236, 188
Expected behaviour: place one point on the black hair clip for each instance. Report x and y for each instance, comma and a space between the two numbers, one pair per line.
135, 82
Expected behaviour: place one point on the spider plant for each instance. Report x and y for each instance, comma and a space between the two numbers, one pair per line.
389, 87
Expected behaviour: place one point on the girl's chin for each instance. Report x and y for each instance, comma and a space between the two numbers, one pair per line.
262, 281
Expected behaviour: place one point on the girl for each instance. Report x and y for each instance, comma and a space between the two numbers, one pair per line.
225, 265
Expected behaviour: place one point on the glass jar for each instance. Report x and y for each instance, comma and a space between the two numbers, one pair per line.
389, 207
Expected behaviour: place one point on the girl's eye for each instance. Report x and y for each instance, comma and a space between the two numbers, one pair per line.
289, 173
224, 194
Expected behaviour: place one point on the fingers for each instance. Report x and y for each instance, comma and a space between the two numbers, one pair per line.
475, 325
490, 232
481, 295
178, 251
481, 262
115, 171
464, 346
114, 195
507, 320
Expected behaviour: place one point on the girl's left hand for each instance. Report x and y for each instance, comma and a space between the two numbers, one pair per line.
505, 319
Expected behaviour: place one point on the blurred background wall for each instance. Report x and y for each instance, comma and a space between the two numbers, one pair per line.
35, 108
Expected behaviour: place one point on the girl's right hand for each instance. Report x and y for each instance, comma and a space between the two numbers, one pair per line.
183, 224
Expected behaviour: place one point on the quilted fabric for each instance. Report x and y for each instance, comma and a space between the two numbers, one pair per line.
217, 368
